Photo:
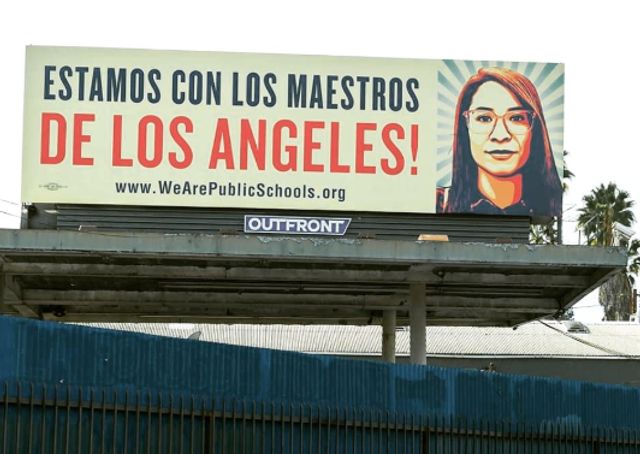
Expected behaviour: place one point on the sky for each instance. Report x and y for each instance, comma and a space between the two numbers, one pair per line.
596, 41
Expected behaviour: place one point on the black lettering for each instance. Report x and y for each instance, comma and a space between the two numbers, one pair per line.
81, 70
331, 91
379, 101
316, 100
395, 94
236, 101
96, 93
154, 96
164, 186
48, 69
347, 83
177, 78
270, 99
363, 81
413, 104
195, 87
253, 89
213, 87
116, 84
297, 90
65, 73
137, 85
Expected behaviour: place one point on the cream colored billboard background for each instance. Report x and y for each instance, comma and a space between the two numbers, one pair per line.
410, 190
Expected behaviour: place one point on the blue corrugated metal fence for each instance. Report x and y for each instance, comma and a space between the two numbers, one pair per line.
80, 389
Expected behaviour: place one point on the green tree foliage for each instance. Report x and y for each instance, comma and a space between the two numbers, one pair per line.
544, 233
567, 315
566, 173
603, 208
634, 260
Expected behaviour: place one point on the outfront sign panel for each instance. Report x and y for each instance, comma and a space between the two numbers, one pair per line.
298, 225
139, 127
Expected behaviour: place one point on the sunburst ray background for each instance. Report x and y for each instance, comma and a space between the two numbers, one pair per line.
548, 79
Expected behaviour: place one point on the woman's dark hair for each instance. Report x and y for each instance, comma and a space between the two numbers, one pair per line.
541, 190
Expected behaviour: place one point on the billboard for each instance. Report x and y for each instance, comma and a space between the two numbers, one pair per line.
241, 130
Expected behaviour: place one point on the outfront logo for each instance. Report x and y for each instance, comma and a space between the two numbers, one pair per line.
296, 225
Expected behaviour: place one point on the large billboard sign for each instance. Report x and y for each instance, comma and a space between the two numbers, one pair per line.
203, 129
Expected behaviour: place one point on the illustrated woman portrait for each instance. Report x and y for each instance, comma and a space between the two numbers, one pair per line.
502, 157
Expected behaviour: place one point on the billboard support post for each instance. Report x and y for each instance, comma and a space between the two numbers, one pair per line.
389, 336
418, 322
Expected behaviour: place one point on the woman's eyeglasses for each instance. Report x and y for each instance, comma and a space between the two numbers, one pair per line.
484, 121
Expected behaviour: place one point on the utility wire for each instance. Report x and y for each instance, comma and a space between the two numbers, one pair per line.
588, 305
6, 213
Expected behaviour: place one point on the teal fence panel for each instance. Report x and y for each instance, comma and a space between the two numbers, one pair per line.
71, 388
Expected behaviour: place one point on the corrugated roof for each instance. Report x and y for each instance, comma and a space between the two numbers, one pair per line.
539, 338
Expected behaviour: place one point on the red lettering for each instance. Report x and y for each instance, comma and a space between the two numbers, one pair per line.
116, 153
248, 140
45, 138
143, 126
79, 138
224, 152
334, 164
181, 142
310, 146
291, 150
393, 148
362, 147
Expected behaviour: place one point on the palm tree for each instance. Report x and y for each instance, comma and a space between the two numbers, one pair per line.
566, 173
615, 297
603, 208
634, 260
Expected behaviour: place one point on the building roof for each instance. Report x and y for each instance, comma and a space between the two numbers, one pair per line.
536, 339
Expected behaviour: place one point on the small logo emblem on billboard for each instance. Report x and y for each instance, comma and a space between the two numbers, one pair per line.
52, 186
296, 225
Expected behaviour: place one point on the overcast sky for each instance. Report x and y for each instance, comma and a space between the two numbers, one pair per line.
597, 42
